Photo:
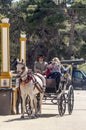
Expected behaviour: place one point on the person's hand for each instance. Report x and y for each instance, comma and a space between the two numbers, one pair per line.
39, 71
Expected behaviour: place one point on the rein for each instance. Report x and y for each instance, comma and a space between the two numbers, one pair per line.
37, 85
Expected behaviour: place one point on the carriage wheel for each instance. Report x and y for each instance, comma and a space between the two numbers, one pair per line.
70, 99
62, 104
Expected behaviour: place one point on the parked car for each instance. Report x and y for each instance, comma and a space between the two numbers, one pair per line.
79, 79
78, 76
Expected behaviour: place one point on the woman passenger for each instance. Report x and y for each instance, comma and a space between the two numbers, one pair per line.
54, 70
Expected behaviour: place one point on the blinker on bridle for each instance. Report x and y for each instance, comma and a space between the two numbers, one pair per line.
23, 68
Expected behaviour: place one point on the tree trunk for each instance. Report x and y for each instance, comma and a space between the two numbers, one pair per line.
71, 38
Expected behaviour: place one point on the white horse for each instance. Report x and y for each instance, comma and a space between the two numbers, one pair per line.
30, 85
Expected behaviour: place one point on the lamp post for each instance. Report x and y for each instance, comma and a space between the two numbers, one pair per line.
23, 47
5, 78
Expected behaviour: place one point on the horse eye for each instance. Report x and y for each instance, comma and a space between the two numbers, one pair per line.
22, 67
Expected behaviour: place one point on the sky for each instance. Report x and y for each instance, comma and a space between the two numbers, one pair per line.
15, 0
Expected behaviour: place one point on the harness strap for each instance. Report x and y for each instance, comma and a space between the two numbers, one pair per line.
25, 81
37, 85
39, 77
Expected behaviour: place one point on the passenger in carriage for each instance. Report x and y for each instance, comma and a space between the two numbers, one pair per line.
54, 71
40, 65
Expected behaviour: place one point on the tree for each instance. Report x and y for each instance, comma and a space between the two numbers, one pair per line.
5, 6
50, 28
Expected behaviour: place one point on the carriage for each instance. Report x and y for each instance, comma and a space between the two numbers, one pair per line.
65, 97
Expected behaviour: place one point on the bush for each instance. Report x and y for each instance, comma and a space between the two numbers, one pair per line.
82, 67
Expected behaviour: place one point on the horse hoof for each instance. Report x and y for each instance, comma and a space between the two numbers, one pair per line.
22, 117
39, 113
33, 116
36, 115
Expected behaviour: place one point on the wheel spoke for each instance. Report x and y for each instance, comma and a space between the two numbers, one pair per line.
62, 105
70, 99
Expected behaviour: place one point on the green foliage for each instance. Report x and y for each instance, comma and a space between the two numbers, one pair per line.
83, 51
55, 20
82, 67
47, 26
5, 6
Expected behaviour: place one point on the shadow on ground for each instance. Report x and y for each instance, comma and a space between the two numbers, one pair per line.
30, 118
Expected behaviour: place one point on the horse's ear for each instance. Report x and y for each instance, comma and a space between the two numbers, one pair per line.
17, 60
22, 61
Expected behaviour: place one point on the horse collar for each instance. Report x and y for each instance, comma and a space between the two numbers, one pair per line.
27, 80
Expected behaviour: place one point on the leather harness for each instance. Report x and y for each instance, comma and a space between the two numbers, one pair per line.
27, 80
32, 77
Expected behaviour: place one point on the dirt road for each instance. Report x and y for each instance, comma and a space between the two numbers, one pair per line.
50, 120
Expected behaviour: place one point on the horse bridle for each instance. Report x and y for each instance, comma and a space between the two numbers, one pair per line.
20, 73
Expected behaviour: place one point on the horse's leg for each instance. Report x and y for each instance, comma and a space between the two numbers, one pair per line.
35, 104
23, 105
40, 102
31, 104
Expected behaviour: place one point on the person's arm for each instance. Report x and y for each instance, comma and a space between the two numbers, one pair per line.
44, 71
36, 70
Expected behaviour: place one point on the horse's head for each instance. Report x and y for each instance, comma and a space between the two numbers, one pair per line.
66, 72
20, 67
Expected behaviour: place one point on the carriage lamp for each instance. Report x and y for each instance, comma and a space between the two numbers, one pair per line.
5, 77
23, 47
